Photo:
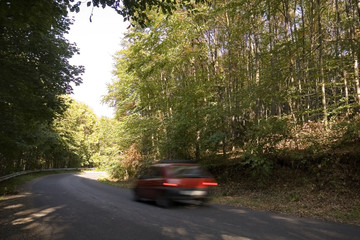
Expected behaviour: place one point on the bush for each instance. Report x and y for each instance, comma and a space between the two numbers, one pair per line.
261, 166
352, 130
128, 164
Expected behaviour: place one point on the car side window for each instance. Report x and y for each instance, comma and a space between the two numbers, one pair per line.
153, 172
156, 172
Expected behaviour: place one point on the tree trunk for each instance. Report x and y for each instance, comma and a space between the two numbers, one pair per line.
356, 74
321, 65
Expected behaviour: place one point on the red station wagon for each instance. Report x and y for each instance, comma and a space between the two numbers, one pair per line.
168, 182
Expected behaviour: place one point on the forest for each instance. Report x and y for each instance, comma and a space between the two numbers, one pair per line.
260, 83
238, 85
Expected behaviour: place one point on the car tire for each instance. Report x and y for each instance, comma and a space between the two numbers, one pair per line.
163, 201
204, 202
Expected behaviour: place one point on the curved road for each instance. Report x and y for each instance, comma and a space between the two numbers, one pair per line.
74, 206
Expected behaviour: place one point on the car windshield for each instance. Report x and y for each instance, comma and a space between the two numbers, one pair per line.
188, 172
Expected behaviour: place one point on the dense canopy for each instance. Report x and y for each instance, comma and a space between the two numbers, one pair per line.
259, 80
35, 71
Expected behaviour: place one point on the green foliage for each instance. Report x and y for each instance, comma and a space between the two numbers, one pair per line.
191, 84
127, 165
262, 141
352, 132
136, 9
352, 215
213, 142
34, 54
294, 197
202, 86
267, 133
116, 170
107, 143
34, 70
78, 131
259, 164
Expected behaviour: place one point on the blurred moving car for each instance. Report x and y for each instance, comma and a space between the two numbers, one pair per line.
169, 182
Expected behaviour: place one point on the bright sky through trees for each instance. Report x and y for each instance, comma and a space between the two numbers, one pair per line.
98, 41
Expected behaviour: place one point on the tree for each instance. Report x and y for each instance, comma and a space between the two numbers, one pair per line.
239, 76
78, 128
34, 71
136, 10
109, 147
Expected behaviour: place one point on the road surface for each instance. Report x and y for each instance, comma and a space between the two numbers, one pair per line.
76, 206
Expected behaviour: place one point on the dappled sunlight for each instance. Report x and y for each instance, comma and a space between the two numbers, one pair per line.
25, 212
22, 195
34, 216
287, 219
14, 206
94, 175
181, 233
234, 210
20, 220
229, 237
173, 232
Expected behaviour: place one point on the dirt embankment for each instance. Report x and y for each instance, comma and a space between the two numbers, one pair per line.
328, 190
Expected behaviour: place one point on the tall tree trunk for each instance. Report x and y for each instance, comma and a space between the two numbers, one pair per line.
342, 55
352, 31
310, 56
288, 36
356, 74
357, 2
321, 64
346, 88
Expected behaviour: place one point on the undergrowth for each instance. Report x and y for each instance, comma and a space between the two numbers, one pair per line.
330, 192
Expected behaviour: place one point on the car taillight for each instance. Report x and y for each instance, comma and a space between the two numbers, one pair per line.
170, 184
209, 183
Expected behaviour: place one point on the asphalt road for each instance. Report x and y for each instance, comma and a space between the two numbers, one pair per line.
74, 206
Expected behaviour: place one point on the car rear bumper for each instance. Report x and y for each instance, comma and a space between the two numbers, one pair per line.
187, 193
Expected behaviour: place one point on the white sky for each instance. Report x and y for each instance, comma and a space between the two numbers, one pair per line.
98, 41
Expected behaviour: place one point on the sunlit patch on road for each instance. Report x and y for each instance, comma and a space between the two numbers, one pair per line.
94, 175
173, 232
234, 210
288, 219
23, 195
34, 216
228, 237
14, 206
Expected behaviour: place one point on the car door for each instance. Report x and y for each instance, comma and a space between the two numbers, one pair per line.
149, 184
143, 184
155, 183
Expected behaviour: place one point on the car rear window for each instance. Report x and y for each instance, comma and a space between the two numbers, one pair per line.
188, 172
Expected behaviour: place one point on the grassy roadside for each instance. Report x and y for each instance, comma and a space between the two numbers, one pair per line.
325, 205
327, 194
9, 187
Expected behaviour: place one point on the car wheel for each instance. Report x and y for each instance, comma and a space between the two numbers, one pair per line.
204, 202
163, 201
